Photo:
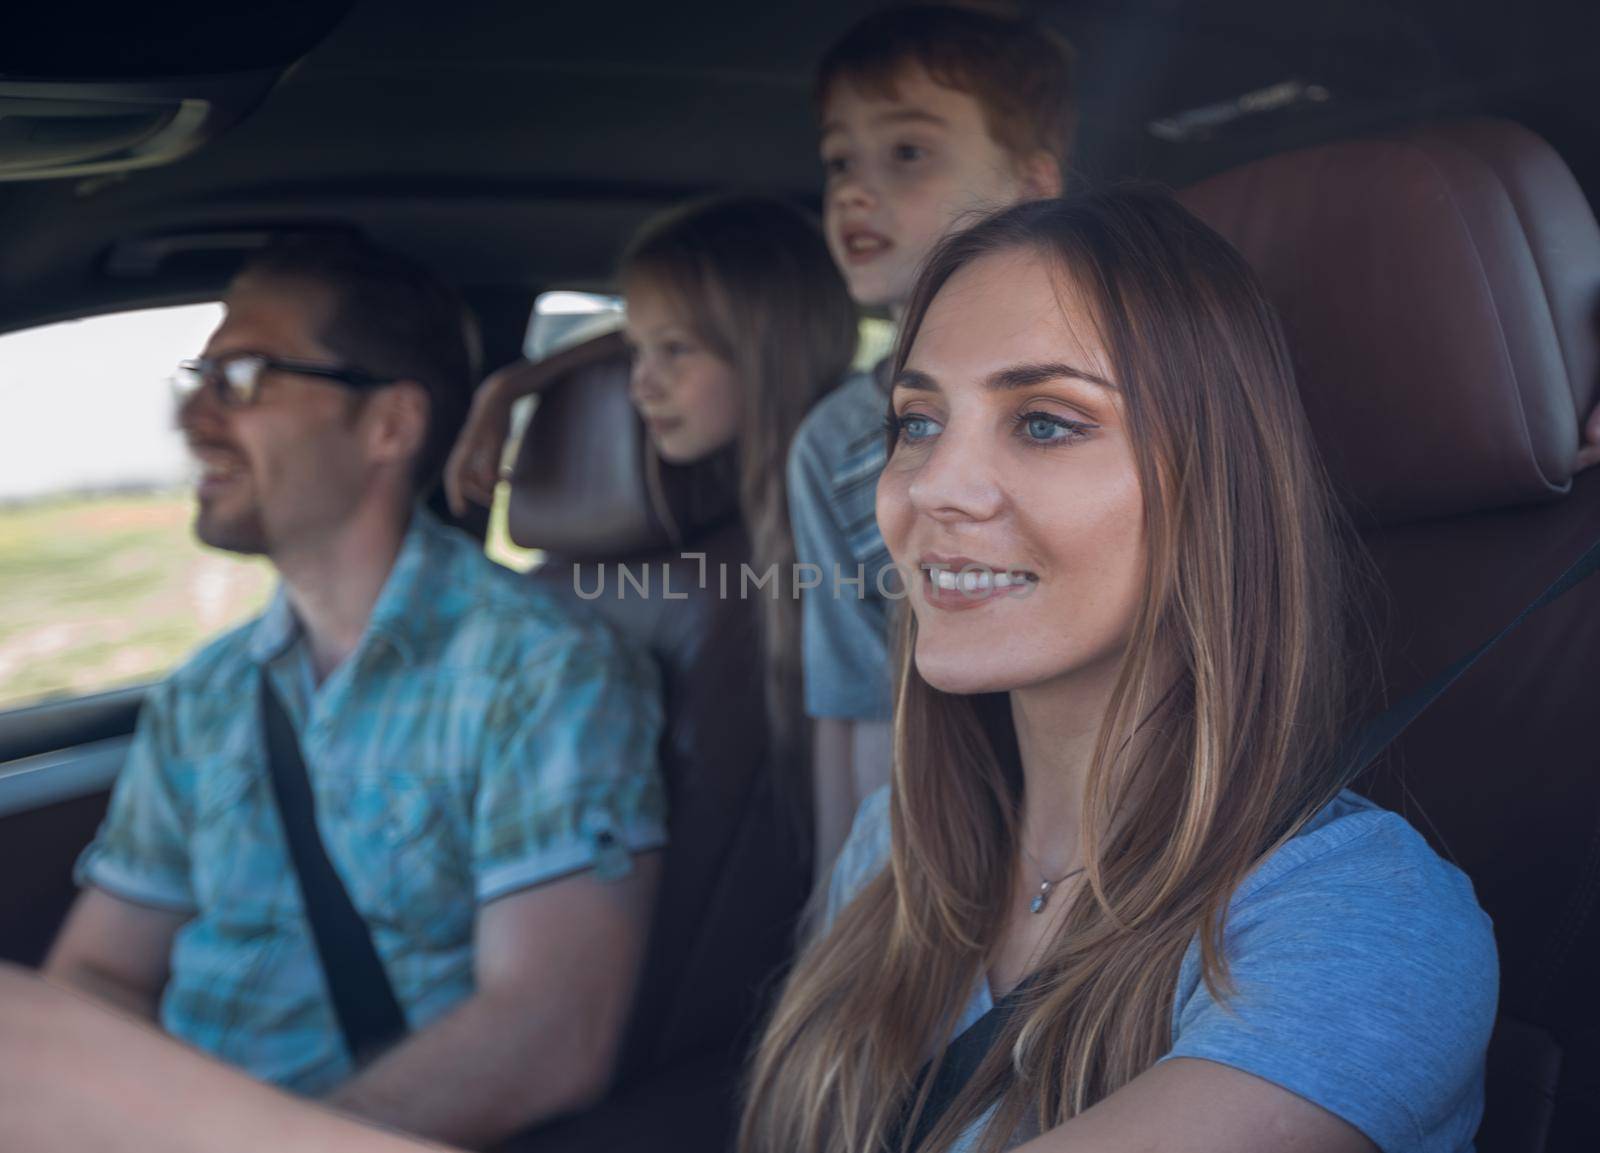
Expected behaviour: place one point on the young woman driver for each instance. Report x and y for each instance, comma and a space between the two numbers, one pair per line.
1116, 787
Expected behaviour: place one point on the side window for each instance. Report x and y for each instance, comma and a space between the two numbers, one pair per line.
103, 582
875, 340
562, 319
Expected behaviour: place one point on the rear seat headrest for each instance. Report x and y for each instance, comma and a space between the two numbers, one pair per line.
1441, 292
588, 486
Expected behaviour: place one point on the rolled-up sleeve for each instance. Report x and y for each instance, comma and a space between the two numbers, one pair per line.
141, 852
576, 784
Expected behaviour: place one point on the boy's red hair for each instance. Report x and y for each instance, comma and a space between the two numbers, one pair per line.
1018, 71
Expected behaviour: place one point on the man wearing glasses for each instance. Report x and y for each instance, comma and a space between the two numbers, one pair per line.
477, 768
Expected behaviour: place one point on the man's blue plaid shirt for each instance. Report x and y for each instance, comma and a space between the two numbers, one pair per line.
478, 741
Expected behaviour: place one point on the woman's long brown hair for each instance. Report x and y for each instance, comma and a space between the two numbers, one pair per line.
1217, 745
756, 284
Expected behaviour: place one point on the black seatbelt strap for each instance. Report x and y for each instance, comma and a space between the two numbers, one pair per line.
363, 1000
966, 1052
1387, 726
961, 1060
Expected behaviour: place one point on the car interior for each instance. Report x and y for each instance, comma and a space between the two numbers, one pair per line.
1411, 179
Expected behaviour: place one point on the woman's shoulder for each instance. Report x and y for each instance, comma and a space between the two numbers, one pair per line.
1353, 845
1354, 937
1364, 877
1364, 881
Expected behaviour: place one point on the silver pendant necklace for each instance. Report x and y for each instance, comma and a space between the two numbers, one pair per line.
1046, 883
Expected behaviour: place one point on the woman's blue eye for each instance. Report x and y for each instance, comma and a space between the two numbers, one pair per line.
911, 428
835, 165
909, 152
1048, 428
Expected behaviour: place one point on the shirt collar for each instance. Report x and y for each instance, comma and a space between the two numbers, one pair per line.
275, 630
400, 614
397, 614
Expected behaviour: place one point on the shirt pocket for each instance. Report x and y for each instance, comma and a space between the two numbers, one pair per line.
404, 855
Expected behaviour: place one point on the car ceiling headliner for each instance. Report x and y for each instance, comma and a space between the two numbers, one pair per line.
518, 144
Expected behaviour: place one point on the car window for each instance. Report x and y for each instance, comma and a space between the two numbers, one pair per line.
563, 318
875, 341
102, 583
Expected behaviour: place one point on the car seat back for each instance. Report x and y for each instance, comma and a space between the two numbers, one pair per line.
1440, 291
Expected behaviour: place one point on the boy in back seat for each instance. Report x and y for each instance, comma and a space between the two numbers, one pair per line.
929, 115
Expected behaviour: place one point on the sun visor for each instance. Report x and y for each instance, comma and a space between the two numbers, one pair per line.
43, 138
135, 86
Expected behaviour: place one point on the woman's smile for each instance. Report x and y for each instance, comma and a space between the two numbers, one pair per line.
954, 583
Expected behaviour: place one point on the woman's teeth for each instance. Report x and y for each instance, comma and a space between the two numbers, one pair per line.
978, 581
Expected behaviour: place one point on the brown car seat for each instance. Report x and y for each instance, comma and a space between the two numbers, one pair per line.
588, 490
1441, 292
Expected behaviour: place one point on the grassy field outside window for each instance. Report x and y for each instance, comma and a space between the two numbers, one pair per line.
105, 591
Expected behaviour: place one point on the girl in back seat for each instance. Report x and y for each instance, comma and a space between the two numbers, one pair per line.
737, 322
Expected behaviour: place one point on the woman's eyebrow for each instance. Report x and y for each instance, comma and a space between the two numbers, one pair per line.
1006, 379
1027, 375
917, 381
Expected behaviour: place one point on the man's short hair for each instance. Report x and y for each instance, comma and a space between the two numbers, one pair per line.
391, 317
1018, 71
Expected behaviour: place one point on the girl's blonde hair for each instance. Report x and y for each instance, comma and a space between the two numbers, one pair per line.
756, 284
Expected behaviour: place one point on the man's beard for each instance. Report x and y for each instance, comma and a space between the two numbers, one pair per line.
242, 532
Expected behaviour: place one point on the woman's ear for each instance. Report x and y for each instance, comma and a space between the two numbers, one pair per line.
1040, 176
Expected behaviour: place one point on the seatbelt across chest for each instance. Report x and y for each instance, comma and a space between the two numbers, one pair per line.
369, 1015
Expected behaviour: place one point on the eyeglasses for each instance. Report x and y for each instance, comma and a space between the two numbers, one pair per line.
236, 380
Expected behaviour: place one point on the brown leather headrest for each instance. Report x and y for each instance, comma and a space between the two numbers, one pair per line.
587, 485
1441, 292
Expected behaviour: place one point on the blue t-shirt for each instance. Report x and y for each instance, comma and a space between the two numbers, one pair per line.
1365, 976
